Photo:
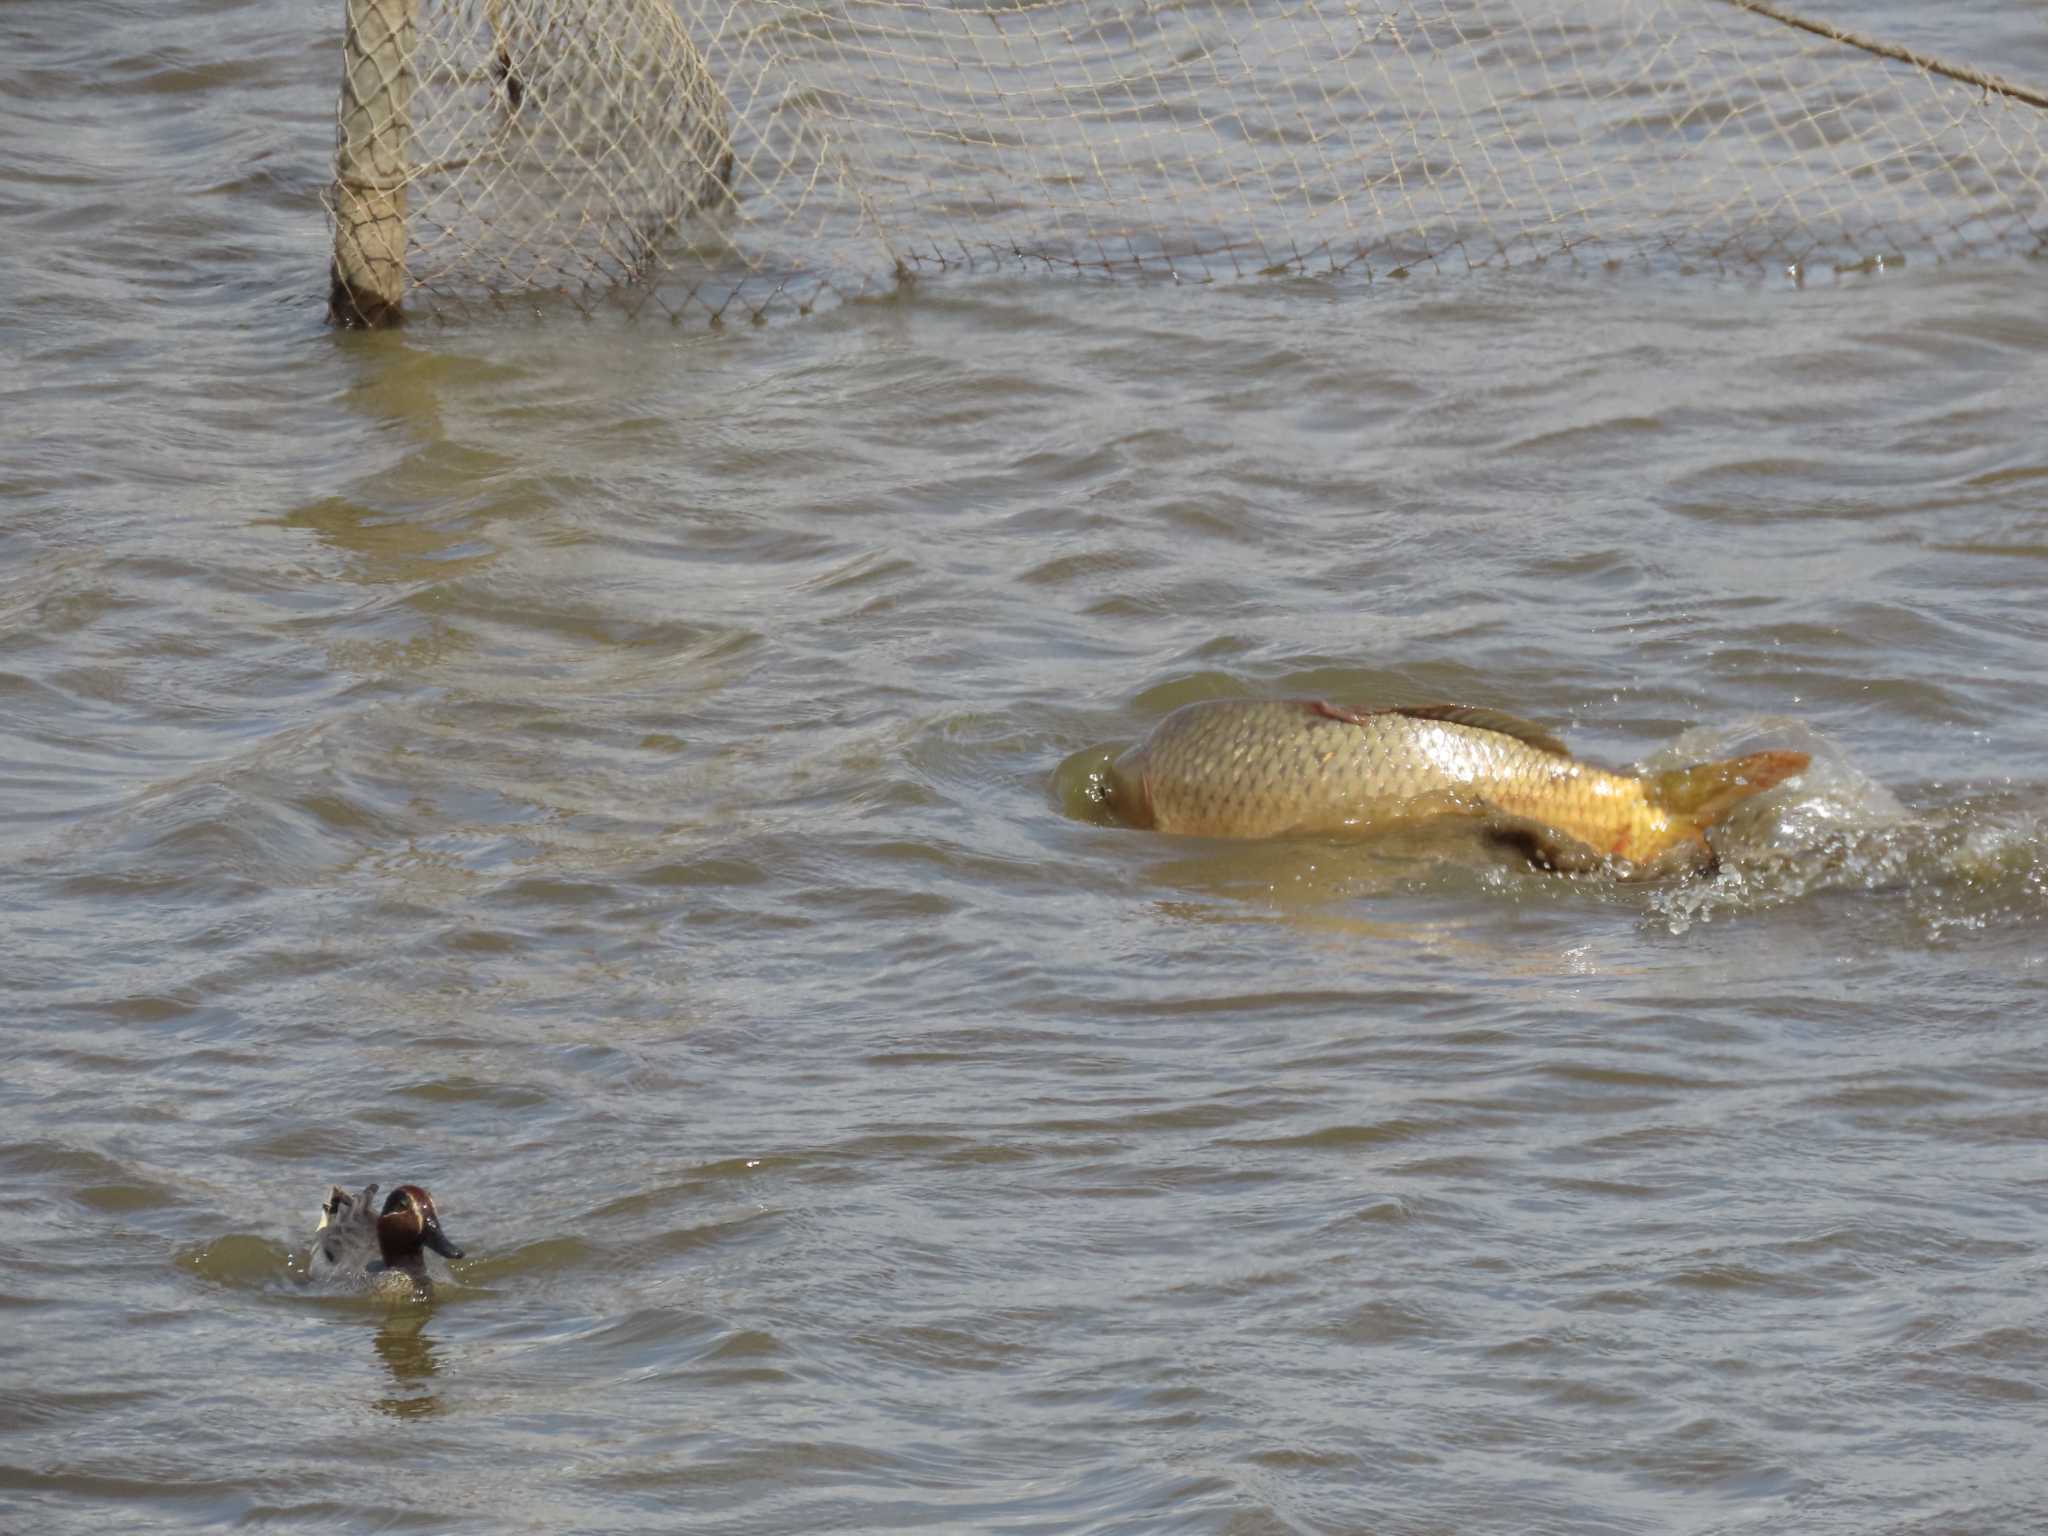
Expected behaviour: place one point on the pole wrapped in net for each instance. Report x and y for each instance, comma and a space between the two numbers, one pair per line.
747, 157
509, 149
372, 162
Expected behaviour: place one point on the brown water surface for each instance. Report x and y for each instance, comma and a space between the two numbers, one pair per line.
631, 781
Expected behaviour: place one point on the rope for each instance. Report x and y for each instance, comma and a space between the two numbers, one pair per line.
1833, 33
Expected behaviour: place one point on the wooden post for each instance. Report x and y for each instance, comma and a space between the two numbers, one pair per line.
372, 161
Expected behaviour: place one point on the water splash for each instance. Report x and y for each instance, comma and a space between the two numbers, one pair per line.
1972, 862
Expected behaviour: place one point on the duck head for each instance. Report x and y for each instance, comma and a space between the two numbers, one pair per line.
410, 1222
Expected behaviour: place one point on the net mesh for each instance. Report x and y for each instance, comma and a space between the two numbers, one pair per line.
747, 158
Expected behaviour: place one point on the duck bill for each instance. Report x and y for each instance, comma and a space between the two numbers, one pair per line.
436, 1239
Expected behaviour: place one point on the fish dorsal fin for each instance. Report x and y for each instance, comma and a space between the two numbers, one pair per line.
1481, 719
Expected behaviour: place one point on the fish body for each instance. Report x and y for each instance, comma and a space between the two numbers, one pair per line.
1271, 767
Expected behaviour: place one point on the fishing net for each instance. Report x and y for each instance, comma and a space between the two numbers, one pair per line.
743, 158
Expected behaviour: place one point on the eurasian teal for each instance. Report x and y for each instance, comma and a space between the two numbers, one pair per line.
383, 1254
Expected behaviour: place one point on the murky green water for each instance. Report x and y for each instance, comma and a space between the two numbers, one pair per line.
608, 775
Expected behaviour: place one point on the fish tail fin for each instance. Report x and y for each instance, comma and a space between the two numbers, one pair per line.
1705, 791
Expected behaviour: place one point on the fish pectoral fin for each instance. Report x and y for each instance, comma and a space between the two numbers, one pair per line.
1544, 846
1558, 852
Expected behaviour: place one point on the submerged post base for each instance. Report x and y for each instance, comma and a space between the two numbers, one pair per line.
354, 309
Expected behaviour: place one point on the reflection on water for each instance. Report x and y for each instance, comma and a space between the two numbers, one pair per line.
409, 1354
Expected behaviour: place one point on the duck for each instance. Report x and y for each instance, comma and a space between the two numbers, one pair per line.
383, 1255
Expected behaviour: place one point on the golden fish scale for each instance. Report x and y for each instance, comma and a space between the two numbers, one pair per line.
1232, 768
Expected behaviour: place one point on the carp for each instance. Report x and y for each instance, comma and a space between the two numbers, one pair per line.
1272, 767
